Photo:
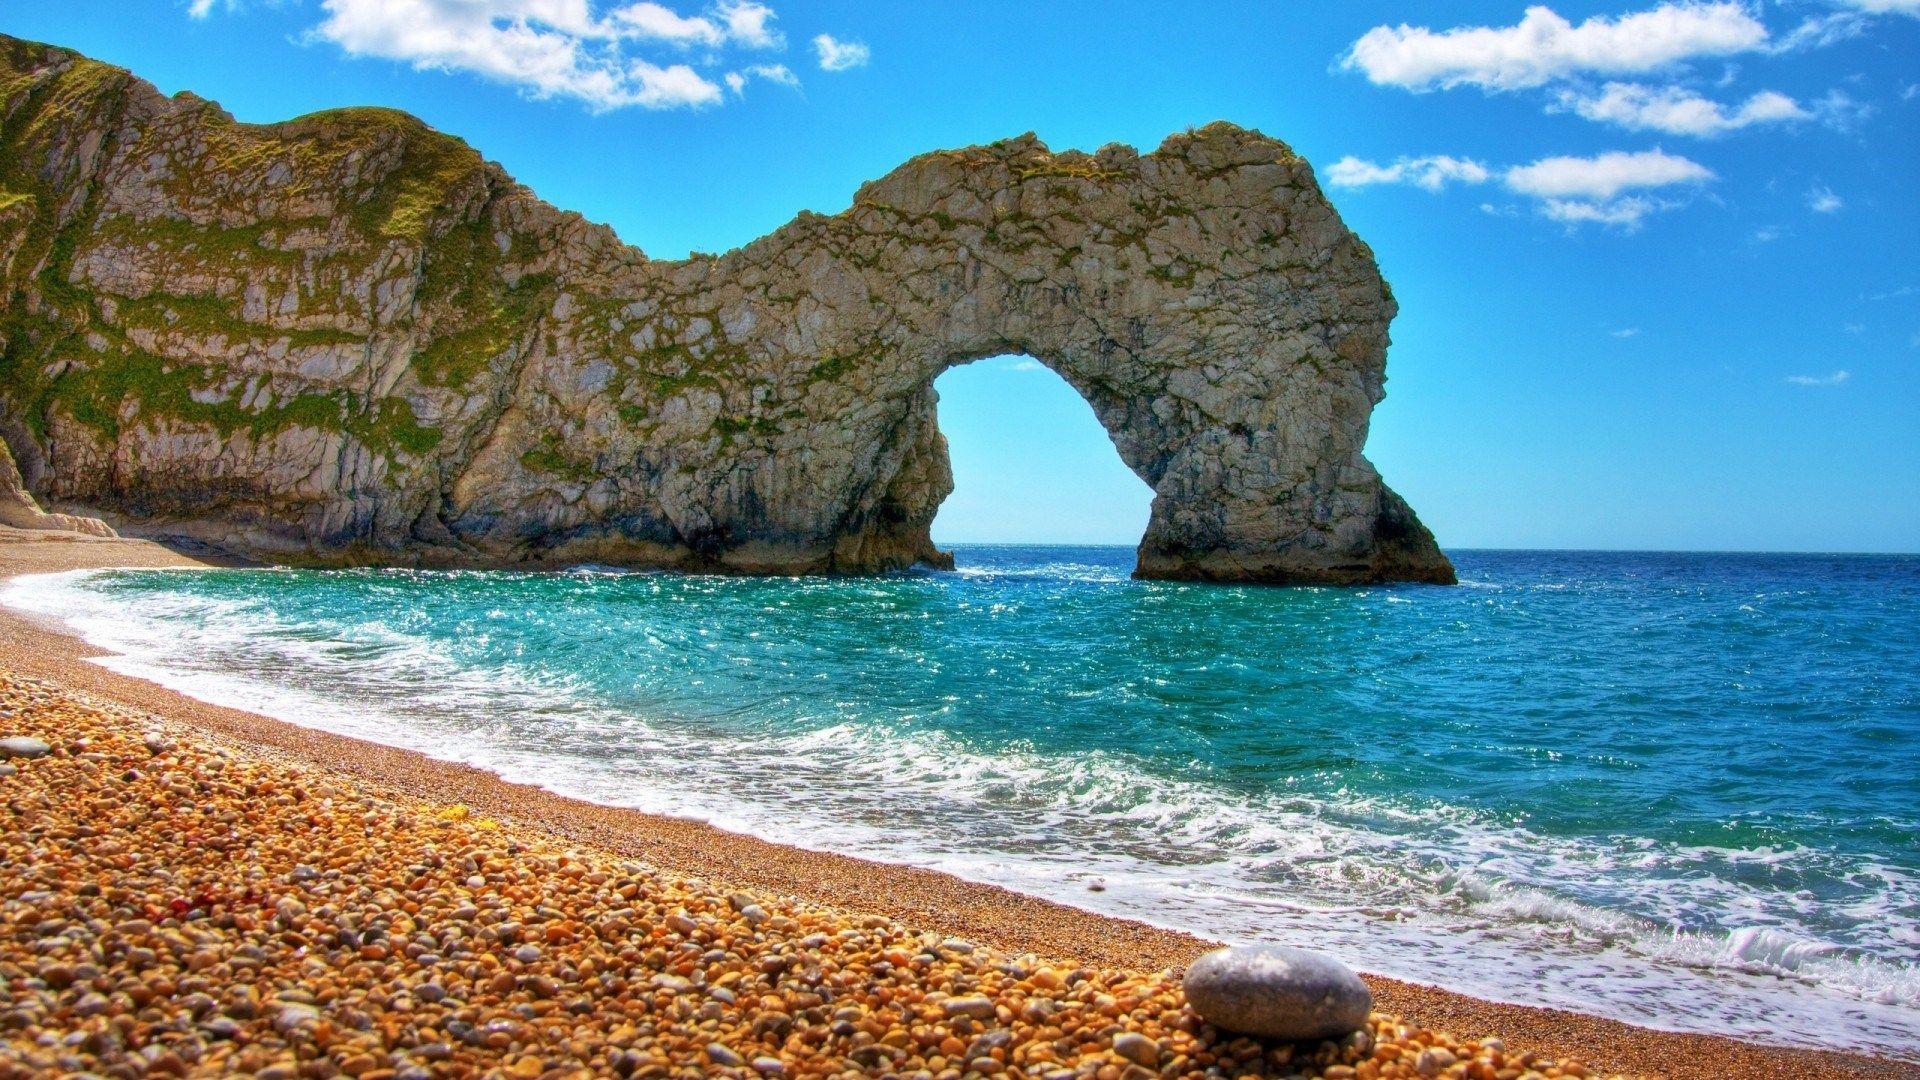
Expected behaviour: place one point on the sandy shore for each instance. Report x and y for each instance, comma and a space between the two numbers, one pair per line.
1009, 922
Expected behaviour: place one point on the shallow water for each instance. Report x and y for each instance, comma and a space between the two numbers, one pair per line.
1681, 790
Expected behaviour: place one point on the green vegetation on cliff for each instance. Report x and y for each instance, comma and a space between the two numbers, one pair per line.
103, 360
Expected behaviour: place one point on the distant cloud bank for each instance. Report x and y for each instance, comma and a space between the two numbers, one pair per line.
1573, 190
1636, 71
1544, 46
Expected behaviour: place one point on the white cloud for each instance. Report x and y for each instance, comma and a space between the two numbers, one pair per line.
1544, 46
1820, 31
1839, 111
1884, 7
200, 9
1627, 332
1432, 173
1580, 191
836, 55
555, 48
747, 23
773, 73
1609, 189
1585, 65
776, 73
650, 20
1676, 110
1626, 213
1834, 379
1767, 234
1604, 176
1895, 294
739, 23
1822, 200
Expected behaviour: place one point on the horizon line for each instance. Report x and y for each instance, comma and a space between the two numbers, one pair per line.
1474, 548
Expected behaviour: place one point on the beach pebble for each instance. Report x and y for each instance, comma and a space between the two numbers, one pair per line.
1137, 1048
977, 1007
293, 1016
24, 746
1277, 992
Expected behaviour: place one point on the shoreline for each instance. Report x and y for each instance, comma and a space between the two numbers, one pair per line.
1010, 921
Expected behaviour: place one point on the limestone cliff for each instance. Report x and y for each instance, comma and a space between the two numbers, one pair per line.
348, 338
18, 510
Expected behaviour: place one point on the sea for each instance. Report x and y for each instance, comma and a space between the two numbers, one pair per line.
1677, 789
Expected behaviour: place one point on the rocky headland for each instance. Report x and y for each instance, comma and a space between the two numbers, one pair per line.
347, 338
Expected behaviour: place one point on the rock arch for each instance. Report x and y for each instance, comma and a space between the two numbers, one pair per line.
347, 338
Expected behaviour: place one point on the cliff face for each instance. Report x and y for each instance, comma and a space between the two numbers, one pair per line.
18, 510
347, 338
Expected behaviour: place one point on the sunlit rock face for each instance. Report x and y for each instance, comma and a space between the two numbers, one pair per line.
347, 338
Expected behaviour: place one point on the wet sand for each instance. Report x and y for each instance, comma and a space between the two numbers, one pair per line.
1010, 922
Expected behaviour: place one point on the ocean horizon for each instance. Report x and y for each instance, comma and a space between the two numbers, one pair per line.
1523, 550
1677, 789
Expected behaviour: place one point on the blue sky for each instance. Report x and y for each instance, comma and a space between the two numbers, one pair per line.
1656, 262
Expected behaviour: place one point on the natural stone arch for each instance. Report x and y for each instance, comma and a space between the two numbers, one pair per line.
1226, 328
347, 338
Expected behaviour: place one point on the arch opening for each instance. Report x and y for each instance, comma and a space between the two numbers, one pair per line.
1031, 462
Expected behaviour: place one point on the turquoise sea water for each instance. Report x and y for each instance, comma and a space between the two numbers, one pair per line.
1679, 789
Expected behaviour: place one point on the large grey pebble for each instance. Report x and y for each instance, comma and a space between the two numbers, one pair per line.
293, 1016
1277, 992
23, 746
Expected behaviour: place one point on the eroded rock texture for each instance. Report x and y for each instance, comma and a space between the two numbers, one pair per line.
18, 510
349, 338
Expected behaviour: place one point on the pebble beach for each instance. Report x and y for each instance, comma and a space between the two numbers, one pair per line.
194, 891
177, 908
